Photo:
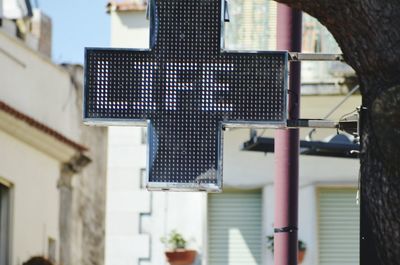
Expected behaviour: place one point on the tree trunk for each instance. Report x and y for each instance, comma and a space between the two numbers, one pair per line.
368, 32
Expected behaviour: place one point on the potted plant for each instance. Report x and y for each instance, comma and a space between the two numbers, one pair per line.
301, 251
176, 252
301, 248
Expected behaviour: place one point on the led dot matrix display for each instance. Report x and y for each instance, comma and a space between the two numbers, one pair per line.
186, 88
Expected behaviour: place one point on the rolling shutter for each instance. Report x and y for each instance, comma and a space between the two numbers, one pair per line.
338, 227
234, 228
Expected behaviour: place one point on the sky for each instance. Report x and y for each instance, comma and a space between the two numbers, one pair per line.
76, 24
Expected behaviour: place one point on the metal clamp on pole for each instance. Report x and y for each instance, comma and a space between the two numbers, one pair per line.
307, 123
297, 56
288, 229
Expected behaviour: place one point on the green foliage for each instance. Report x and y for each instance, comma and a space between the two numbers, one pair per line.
174, 241
301, 245
270, 243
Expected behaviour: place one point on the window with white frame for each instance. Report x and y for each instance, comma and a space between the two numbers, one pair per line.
5, 201
339, 226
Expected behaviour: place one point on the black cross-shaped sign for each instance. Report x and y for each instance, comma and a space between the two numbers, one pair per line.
187, 89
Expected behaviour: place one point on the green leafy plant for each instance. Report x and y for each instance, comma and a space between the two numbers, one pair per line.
174, 241
270, 243
302, 246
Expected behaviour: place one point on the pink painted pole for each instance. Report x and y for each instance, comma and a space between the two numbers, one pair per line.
289, 32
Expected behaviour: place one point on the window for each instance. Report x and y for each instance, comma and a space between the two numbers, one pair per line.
4, 223
311, 37
251, 26
316, 38
339, 222
51, 252
143, 178
235, 228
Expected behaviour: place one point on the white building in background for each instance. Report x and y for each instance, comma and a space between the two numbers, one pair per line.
322, 77
52, 169
231, 227
136, 218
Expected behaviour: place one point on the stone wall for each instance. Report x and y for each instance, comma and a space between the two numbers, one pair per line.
83, 191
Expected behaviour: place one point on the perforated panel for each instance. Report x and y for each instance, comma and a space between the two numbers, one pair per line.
186, 88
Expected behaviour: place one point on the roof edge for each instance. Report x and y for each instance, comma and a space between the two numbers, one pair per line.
125, 6
41, 127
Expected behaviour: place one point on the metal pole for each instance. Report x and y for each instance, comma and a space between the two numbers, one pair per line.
289, 32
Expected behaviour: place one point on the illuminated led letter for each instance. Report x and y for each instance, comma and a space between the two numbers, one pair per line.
210, 88
145, 101
178, 75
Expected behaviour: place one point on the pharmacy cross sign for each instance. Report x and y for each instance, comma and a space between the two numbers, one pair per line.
187, 89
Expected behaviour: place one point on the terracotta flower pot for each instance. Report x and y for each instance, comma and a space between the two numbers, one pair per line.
181, 257
300, 256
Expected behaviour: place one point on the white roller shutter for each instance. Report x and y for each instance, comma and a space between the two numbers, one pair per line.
338, 227
234, 228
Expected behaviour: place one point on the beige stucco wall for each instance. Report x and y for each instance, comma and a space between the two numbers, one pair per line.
52, 95
35, 200
33, 85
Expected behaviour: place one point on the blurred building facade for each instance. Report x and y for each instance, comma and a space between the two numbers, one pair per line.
231, 227
52, 168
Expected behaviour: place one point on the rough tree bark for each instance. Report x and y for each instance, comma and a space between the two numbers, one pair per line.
368, 32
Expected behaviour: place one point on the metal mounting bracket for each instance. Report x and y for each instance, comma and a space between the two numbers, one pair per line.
297, 56
350, 124
308, 123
